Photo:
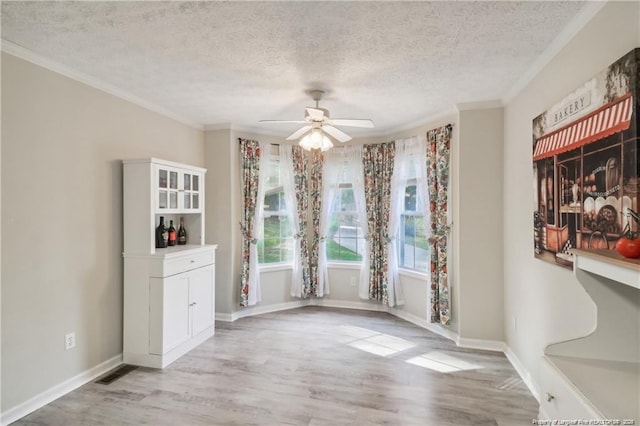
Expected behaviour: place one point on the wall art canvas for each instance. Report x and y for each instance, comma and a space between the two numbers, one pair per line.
585, 164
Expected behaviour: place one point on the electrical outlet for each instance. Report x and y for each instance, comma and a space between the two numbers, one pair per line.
70, 341
353, 281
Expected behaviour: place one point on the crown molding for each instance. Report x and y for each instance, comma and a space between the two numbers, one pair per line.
30, 56
218, 126
466, 106
568, 32
447, 114
246, 129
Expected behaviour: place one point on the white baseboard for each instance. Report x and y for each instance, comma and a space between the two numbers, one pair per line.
345, 304
59, 390
267, 309
523, 373
224, 317
482, 344
424, 323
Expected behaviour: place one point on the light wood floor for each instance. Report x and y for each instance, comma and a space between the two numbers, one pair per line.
309, 366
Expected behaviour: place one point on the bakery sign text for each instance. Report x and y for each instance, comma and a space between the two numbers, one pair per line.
570, 108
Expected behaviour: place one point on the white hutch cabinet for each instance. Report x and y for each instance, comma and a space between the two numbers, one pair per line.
169, 293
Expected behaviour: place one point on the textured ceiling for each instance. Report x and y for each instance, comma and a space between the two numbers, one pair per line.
239, 62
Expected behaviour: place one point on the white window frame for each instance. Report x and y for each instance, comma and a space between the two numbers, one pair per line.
360, 242
418, 212
281, 264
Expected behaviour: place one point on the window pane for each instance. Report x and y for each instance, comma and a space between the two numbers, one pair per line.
413, 245
410, 198
273, 175
345, 240
345, 199
277, 243
274, 201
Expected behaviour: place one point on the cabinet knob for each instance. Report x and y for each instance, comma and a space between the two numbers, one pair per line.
550, 397
193, 261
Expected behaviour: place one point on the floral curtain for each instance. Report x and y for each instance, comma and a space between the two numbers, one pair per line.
439, 141
315, 202
377, 163
253, 165
293, 162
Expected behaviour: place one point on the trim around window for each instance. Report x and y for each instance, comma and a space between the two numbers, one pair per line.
273, 267
413, 274
344, 265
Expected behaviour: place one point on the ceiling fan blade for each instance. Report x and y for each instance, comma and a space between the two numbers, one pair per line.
336, 133
283, 121
301, 131
352, 122
315, 114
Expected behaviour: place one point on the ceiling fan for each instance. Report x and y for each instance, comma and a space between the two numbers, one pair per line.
318, 124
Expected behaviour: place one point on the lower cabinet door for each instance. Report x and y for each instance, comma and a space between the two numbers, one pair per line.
201, 292
169, 313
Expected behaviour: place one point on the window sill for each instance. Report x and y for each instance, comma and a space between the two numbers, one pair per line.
344, 265
273, 267
413, 274
337, 265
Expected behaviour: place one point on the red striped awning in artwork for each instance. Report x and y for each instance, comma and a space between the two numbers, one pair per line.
607, 120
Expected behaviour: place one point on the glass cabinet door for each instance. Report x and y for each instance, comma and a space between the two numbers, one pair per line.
191, 191
196, 194
173, 189
167, 189
178, 190
163, 185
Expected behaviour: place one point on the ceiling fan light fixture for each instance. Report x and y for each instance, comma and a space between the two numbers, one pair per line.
322, 126
316, 139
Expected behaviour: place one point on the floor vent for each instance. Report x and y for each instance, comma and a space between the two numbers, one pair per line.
116, 374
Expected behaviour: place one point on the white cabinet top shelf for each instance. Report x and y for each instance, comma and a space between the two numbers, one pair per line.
155, 189
163, 163
609, 264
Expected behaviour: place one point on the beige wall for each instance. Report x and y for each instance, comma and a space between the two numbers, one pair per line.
547, 301
218, 156
62, 143
477, 225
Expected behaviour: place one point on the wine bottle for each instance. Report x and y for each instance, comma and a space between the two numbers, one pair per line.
172, 234
162, 236
182, 233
